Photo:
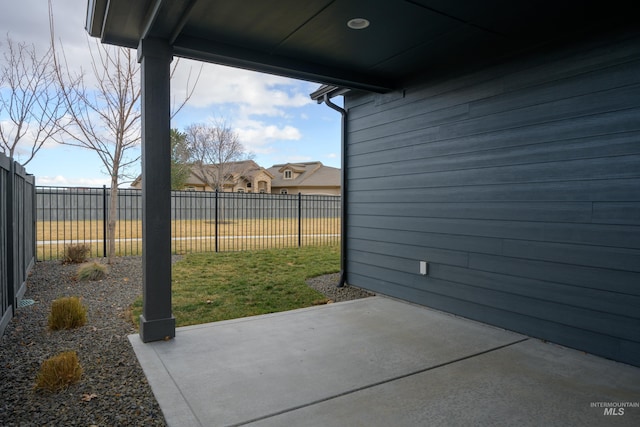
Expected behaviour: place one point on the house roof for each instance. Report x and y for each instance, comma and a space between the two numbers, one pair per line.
242, 169
311, 39
310, 174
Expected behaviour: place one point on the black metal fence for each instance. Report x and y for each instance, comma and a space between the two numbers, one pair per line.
201, 221
17, 235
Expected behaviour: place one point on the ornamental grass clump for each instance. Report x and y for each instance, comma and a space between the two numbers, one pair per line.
67, 313
59, 372
76, 254
92, 271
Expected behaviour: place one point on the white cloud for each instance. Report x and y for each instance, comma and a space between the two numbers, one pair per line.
332, 156
254, 93
26, 143
29, 23
257, 135
62, 181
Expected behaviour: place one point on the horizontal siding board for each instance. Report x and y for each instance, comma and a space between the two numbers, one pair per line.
387, 262
437, 93
408, 139
599, 80
443, 256
420, 160
554, 65
584, 105
357, 99
616, 213
604, 302
435, 240
600, 322
433, 118
490, 98
390, 279
604, 257
421, 108
514, 211
454, 122
609, 190
601, 300
616, 167
429, 141
569, 233
613, 236
562, 64
618, 281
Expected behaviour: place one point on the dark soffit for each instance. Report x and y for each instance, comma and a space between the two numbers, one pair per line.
310, 39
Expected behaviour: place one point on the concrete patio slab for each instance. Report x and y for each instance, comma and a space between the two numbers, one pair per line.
377, 362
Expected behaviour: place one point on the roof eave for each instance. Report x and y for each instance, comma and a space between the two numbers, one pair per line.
234, 56
329, 90
96, 10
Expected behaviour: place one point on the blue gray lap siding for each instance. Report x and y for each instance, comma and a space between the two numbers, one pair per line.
519, 183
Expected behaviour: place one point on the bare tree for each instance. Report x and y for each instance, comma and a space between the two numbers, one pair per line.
213, 149
30, 100
106, 118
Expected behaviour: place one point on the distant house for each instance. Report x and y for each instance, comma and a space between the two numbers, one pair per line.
249, 177
240, 177
305, 178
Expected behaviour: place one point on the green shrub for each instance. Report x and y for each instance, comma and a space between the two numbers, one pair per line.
59, 372
92, 271
76, 254
67, 313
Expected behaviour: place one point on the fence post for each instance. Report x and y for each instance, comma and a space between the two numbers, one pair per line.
34, 225
216, 218
299, 219
10, 233
104, 220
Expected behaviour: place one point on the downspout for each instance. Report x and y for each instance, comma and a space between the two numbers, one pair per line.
343, 185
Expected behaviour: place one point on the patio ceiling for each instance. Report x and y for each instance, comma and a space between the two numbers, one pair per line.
310, 39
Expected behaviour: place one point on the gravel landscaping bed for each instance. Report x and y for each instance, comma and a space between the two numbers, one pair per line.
327, 285
113, 390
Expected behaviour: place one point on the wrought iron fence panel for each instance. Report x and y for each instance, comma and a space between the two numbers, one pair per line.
201, 221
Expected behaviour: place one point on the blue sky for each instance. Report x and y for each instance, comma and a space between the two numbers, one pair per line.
274, 116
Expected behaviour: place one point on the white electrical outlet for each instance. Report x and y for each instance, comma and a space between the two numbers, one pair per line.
424, 268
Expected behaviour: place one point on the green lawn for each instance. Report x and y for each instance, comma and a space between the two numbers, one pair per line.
208, 287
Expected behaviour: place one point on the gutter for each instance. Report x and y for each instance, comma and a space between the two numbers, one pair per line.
324, 95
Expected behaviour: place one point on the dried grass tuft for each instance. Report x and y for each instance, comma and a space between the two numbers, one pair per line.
59, 372
67, 313
92, 271
76, 254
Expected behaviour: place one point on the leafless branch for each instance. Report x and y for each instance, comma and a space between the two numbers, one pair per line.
30, 100
212, 150
190, 88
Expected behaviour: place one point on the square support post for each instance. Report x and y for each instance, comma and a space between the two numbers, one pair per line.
156, 321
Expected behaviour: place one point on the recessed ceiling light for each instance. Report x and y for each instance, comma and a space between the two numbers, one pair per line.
358, 23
